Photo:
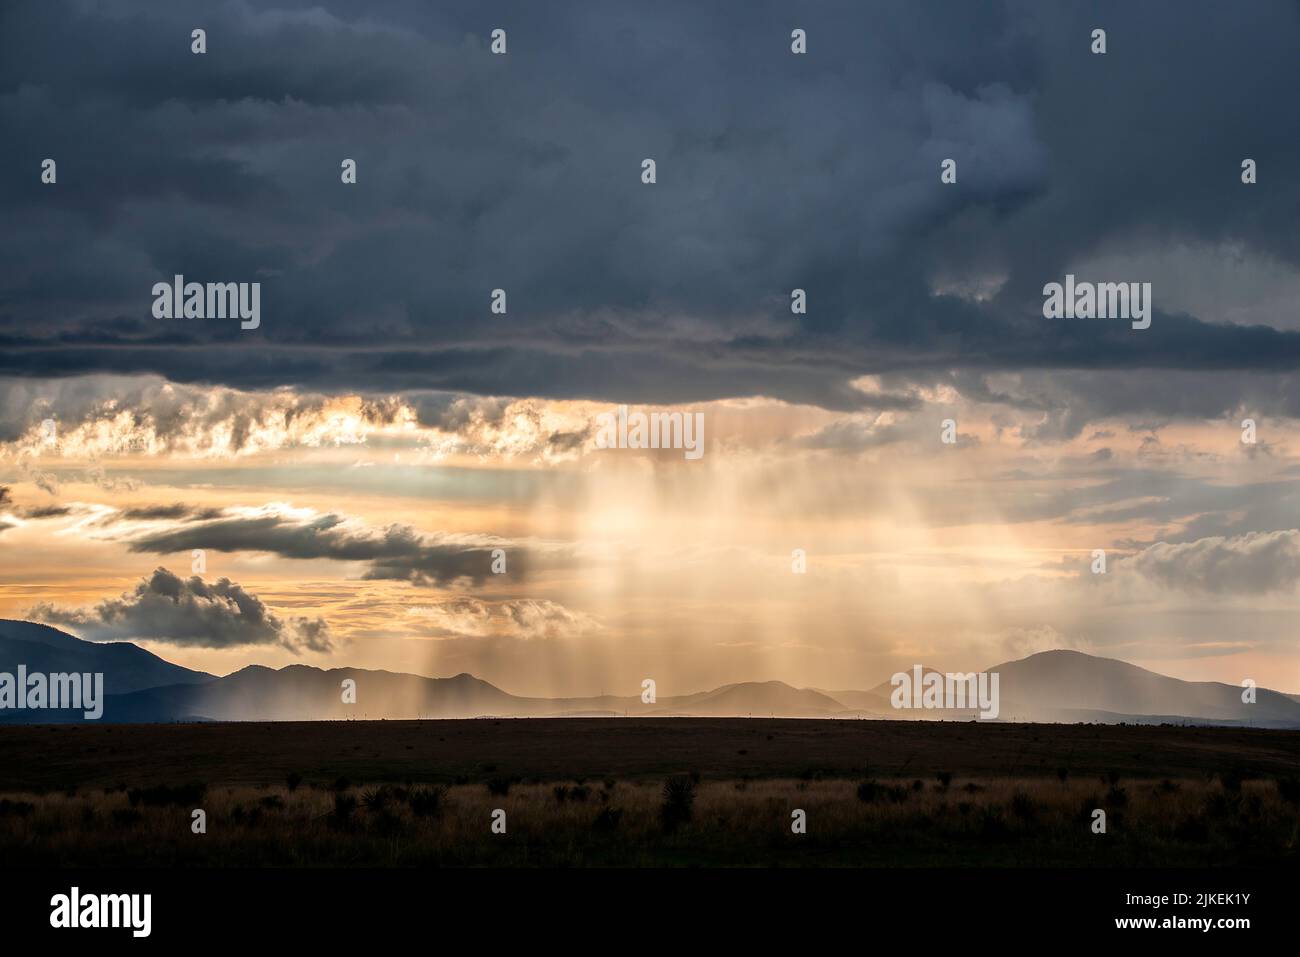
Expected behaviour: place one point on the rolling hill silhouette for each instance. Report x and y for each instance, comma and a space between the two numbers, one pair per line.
128, 667
1072, 686
1062, 686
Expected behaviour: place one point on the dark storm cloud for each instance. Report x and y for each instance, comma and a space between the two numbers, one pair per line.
397, 552
775, 171
189, 612
176, 511
46, 511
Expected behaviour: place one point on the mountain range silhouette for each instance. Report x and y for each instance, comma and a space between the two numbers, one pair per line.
1051, 686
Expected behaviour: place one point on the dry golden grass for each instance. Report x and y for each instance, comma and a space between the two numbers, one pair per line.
975, 821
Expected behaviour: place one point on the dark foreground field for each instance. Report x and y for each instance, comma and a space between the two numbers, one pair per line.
644, 792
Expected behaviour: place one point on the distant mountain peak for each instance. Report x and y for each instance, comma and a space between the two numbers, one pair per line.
126, 667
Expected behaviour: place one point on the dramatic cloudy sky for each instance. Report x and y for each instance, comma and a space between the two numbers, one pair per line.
348, 469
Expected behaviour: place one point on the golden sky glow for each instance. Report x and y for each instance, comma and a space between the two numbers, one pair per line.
624, 564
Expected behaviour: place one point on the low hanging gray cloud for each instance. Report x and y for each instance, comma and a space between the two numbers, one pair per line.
1252, 564
189, 612
523, 618
173, 512
397, 552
